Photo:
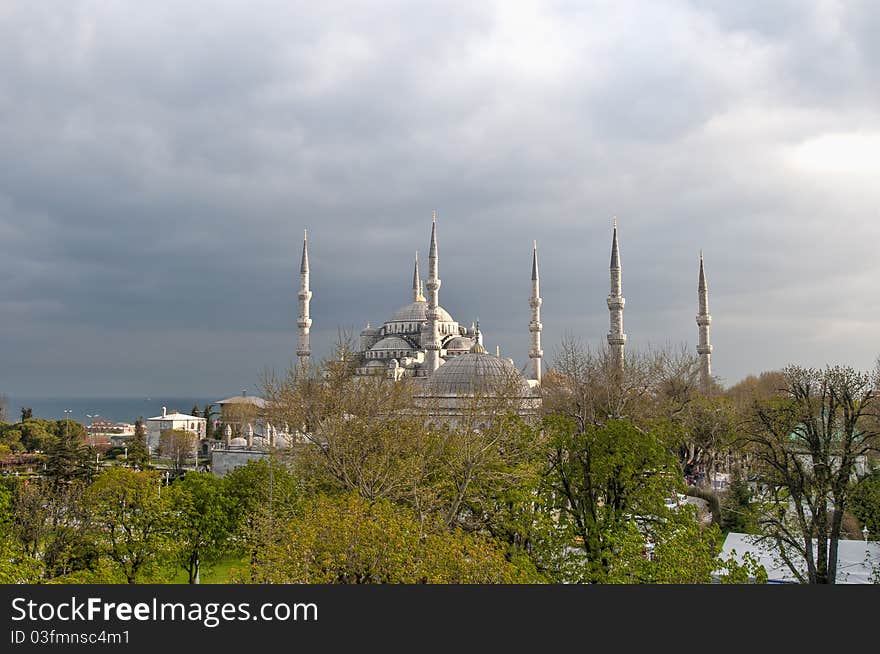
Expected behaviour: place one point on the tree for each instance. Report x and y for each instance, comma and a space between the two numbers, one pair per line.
50, 522
16, 565
599, 480
760, 388
38, 434
678, 550
382, 439
866, 504
68, 456
710, 427
138, 452
204, 521
264, 495
810, 447
132, 522
26, 413
738, 511
209, 414
346, 539
356, 433
178, 445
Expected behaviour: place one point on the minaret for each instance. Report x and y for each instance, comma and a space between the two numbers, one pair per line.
432, 331
616, 337
417, 282
303, 349
535, 351
704, 348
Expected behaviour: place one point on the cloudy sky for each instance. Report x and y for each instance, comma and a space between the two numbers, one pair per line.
159, 161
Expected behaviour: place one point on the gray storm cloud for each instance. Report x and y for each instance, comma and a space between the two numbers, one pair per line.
160, 160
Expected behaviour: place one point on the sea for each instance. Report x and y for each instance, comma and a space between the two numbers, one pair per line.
117, 409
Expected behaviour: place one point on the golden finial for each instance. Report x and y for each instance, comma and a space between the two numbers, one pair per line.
434, 216
614, 221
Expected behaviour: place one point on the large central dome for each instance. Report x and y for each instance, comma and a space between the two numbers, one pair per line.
476, 372
416, 312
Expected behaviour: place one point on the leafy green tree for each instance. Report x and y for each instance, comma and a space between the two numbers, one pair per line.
26, 413
132, 522
738, 510
68, 456
677, 550
866, 504
264, 495
203, 523
138, 452
599, 481
50, 523
10, 438
38, 434
6, 510
346, 539
16, 565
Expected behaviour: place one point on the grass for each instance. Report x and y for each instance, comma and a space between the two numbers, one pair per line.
218, 573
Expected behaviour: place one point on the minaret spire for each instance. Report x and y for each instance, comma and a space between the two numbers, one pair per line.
431, 332
535, 351
616, 301
704, 320
303, 349
417, 282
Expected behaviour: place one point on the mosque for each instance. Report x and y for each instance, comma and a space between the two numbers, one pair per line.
446, 360
423, 341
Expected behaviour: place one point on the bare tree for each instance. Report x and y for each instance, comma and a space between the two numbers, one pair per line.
810, 447
178, 445
589, 387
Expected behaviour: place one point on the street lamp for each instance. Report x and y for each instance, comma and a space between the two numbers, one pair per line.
67, 413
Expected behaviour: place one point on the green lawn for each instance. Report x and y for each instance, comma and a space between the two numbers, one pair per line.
216, 574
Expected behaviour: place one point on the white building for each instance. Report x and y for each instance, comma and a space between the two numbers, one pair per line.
155, 427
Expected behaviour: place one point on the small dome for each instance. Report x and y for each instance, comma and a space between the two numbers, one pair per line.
477, 371
238, 442
460, 344
391, 344
416, 312
375, 363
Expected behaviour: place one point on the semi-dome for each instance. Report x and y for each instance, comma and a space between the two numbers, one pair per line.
475, 372
460, 344
416, 312
391, 343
